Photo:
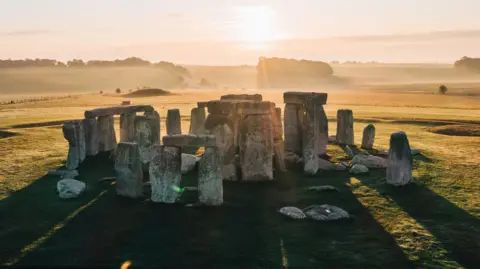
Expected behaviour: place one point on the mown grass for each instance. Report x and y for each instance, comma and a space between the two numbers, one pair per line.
433, 223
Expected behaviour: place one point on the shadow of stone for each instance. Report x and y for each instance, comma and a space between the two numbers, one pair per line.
456, 229
7, 134
27, 214
39, 124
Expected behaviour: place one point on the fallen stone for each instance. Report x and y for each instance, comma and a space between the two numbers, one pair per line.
325, 212
369, 161
188, 162
70, 188
358, 169
339, 167
324, 165
292, 212
321, 188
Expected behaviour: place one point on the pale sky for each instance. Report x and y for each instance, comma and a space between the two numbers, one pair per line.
225, 32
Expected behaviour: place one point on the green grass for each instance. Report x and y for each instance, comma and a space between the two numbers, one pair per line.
432, 223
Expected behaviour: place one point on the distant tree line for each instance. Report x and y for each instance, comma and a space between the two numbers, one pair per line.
472, 64
128, 62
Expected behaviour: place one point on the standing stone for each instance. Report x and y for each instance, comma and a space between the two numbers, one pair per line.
368, 137
279, 157
345, 127
293, 142
210, 183
222, 127
128, 167
127, 127
107, 139
146, 136
277, 123
70, 134
311, 133
173, 122
80, 131
91, 136
165, 174
256, 148
322, 136
154, 119
197, 121
400, 161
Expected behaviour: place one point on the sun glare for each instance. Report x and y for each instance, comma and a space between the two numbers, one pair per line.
254, 26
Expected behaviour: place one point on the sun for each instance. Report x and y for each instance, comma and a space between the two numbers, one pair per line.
255, 25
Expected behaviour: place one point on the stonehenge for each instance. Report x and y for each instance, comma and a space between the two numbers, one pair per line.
243, 139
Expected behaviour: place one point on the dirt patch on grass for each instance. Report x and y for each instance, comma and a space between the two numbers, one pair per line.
457, 130
147, 93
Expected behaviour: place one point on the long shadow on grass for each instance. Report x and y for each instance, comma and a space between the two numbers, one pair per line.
456, 229
28, 214
247, 232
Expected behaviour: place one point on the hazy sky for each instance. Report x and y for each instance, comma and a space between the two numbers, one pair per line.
238, 32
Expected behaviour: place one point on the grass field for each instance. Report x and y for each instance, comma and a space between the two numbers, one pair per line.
432, 223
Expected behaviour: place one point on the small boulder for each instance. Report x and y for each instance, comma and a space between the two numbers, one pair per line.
358, 169
339, 167
292, 212
321, 188
70, 188
325, 212
188, 162
324, 165
369, 161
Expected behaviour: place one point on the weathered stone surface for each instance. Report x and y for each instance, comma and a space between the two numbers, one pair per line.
322, 136
400, 161
279, 158
82, 147
321, 188
299, 97
70, 188
145, 136
291, 159
324, 165
332, 138
107, 139
210, 184
165, 174
197, 121
368, 136
183, 140
277, 123
292, 212
222, 107
128, 168
188, 162
173, 122
325, 212
345, 135
251, 97
154, 119
293, 131
369, 161
415, 151
224, 137
256, 147
70, 134
91, 136
231, 107
359, 169
311, 141
110, 111
127, 127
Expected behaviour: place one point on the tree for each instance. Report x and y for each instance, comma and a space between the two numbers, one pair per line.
442, 89
118, 90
